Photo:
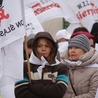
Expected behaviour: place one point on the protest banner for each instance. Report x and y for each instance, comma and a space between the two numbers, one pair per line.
83, 11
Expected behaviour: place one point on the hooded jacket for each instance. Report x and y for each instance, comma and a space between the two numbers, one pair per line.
84, 75
47, 80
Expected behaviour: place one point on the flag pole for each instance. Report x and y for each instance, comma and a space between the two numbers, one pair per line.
27, 57
25, 42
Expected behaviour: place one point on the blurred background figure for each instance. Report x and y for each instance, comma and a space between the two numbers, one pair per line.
94, 32
80, 29
84, 30
29, 46
62, 37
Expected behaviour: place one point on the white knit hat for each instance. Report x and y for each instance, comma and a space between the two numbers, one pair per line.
62, 34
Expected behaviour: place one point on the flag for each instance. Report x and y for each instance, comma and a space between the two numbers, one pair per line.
68, 13
94, 4
12, 60
11, 22
72, 26
1, 66
33, 26
83, 11
12, 31
44, 9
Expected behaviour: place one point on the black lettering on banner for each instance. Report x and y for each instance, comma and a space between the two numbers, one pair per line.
83, 4
1, 33
79, 6
44, 1
4, 32
20, 23
11, 28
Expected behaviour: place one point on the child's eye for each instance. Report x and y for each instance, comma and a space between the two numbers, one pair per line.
46, 46
39, 46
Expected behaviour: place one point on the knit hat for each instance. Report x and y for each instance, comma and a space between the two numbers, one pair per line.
62, 34
80, 41
87, 34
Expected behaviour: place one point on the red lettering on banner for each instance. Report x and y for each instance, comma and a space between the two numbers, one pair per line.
36, 5
81, 15
40, 9
2, 15
92, 4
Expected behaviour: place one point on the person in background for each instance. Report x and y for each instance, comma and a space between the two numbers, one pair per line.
94, 32
49, 77
29, 45
62, 37
80, 29
82, 60
29, 48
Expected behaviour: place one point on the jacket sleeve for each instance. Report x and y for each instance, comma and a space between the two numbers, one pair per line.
22, 90
56, 90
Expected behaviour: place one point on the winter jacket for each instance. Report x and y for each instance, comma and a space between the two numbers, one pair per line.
83, 74
53, 84
48, 79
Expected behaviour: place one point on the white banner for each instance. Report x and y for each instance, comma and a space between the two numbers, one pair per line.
12, 33
11, 22
33, 26
83, 11
73, 26
94, 4
1, 66
69, 15
44, 9
12, 60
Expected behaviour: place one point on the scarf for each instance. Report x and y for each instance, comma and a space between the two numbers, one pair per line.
43, 62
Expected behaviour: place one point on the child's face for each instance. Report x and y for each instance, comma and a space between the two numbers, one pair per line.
43, 48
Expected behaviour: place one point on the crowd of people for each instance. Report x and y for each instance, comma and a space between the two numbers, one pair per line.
64, 67
74, 75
